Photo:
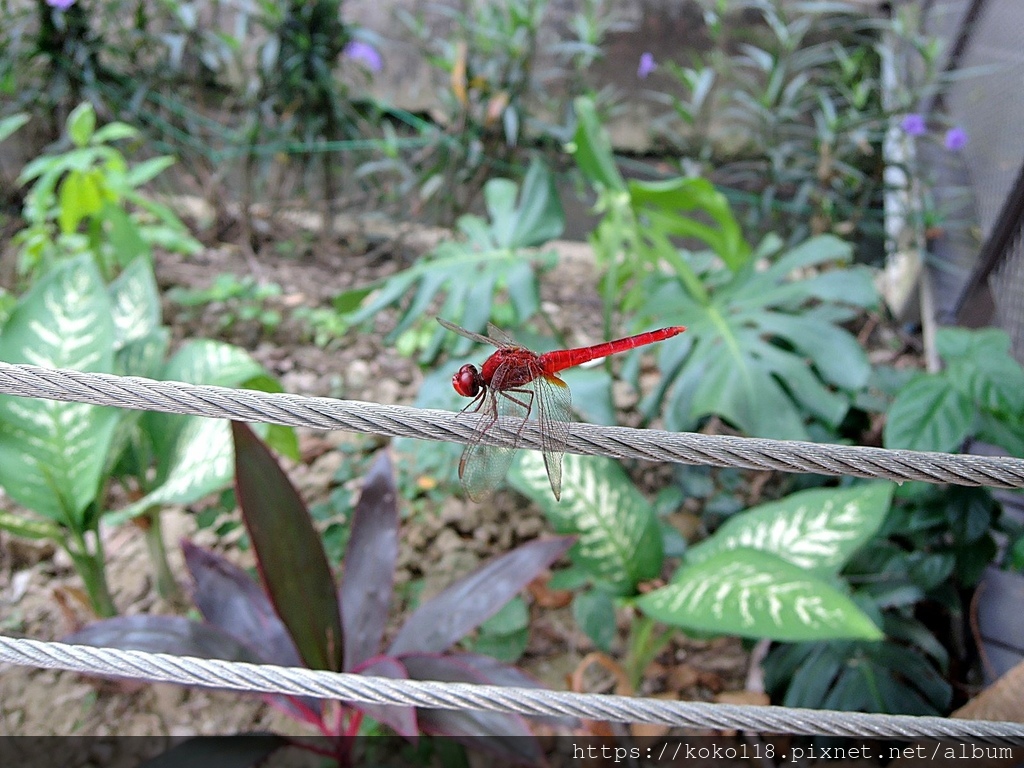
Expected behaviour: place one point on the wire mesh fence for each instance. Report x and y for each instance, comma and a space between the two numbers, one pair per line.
984, 97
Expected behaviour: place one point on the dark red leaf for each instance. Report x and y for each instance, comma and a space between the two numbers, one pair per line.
402, 720
508, 736
470, 601
164, 634
289, 554
230, 599
496, 672
370, 564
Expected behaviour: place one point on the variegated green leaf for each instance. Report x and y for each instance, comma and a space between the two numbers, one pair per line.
135, 302
52, 453
817, 530
198, 362
756, 594
202, 462
619, 539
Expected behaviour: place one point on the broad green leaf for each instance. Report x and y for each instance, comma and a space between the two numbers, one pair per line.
194, 454
79, 197
135, 303
817, 530
928, 415
466, 275
594, 613
292, 563
199, 464
81, 123
52, 453
736, 387
198, 362
956, 343
619, 539
756, 594
833, 350
539, 216
591, 394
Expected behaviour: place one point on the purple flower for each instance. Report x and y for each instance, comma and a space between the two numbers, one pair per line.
365, 54
914, 125
60, 5
647, 65
956, 139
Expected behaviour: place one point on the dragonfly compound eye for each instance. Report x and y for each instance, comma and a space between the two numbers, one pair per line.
467, 381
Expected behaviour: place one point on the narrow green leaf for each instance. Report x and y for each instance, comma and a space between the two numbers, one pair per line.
112, 132
755, 594
592, 148
26, 528
12, 123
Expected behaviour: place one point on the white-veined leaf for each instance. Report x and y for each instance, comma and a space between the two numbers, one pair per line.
817, 530
619, 539
755, 594
52, 453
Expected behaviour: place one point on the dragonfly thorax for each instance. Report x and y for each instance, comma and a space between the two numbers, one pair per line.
468, 382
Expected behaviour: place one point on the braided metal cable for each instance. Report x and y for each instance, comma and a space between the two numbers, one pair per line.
619, 442
240, 676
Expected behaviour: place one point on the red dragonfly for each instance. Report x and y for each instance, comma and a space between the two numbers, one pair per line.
515, 382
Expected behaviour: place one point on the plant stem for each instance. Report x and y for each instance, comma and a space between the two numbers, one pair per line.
166, 586
644, 645
91, 566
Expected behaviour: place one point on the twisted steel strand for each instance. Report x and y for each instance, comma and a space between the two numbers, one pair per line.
216, 673
619, 442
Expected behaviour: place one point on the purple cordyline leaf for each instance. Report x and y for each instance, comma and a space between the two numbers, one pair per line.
402, 720
289, 554
508, 736
231, 600
370, 564
164, 634
473, 599
499, 673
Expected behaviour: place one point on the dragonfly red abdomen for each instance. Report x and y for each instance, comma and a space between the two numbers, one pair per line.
514, 383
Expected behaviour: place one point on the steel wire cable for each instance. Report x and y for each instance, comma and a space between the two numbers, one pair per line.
261, 678
619, 442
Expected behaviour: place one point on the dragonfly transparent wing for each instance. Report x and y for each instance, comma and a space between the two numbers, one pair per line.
477, 337
483, 466
554, 411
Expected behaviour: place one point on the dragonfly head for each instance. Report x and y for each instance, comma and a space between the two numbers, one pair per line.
468, 382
